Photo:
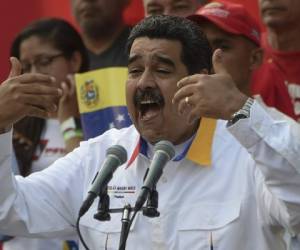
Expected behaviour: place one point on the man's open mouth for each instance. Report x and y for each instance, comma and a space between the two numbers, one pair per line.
149, 109
149, 103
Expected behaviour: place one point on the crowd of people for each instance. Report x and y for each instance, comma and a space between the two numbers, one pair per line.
188, 61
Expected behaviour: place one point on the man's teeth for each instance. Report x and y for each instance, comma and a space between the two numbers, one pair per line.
148, 102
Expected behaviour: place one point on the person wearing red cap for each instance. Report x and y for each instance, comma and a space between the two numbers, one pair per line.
279, 76
231, 28
181, 8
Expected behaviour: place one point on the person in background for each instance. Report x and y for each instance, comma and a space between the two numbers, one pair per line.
50, 47
103, 31
231, 28
181, 8
227, 26
278, 79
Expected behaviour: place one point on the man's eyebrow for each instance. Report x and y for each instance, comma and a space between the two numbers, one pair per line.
159, 58
133, 58
165, 60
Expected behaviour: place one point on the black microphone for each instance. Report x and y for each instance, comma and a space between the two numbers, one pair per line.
163, 152
115, 156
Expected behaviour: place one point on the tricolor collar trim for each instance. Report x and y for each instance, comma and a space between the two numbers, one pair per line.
198, 149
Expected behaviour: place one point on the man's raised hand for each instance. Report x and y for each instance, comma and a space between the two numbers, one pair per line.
23, 95
214, 96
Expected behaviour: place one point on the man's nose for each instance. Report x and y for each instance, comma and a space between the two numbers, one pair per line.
147, 80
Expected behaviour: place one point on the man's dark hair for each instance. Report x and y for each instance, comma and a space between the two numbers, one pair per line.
58, 32
196, 52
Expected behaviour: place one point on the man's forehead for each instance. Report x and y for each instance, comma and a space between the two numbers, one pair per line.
149, 45
162, 50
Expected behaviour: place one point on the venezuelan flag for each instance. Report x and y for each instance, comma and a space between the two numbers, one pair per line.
101, 100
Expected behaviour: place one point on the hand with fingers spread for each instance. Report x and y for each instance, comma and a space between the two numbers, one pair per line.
214, 96
26, 95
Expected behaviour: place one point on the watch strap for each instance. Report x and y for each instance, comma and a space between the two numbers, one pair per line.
243, 113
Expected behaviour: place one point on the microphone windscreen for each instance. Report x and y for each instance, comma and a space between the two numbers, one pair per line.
166, 147
119, 152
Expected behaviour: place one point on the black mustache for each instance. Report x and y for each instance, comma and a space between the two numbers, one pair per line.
148, 94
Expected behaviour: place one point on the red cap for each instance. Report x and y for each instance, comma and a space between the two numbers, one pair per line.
230, 17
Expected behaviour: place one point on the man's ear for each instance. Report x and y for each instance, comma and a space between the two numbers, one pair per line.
256, 58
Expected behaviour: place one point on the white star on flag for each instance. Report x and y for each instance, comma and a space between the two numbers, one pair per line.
120, 118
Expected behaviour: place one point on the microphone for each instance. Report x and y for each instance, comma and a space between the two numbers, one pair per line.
115, 156
163, 152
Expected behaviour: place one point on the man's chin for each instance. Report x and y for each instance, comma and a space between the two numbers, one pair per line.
151, 136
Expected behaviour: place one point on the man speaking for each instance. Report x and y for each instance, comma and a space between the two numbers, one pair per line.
232, 184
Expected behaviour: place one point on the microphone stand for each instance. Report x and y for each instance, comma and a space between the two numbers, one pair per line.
103, 212
125, 226
152, 204
103, 206
150, 210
